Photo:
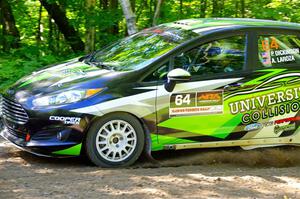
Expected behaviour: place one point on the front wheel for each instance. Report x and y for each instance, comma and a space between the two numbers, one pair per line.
114, 141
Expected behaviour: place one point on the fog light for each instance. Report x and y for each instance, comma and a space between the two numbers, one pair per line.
63, 135
59, 136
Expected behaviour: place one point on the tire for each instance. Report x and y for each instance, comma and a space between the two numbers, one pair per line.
116, 140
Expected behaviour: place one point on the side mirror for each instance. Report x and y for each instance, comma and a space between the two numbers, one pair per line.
176, 75
179, 75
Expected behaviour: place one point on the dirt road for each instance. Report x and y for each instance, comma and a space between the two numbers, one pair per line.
268, 173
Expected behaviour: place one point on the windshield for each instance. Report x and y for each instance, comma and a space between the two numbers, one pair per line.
140, 49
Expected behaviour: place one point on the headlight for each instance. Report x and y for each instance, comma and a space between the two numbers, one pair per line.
66, 97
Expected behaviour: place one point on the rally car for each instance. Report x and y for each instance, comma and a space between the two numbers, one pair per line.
196, 83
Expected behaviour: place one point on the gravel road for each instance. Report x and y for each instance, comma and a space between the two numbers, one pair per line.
224, 173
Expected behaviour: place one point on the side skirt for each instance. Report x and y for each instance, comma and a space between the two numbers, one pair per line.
291, 140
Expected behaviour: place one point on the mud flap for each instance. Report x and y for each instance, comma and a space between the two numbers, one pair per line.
147, 149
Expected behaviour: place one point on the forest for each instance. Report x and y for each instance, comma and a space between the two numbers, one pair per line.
35, 33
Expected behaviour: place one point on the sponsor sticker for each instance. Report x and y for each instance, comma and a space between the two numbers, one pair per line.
267, 106
273, 54
66, 120
289, 127
269, 123
196, 103
290, 119
253, 127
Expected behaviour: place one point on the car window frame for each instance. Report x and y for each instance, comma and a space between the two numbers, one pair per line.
217, 36
271, 31
158, 65
202, 39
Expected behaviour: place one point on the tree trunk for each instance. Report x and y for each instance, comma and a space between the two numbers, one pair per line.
104, 4
129, 16
151, 13
11, 35
39, 27
61, 20
180, 7
215, 8
113, 7
236, 8
221, 8
243, 8
157, 12
50, 34
203, 7
57, 40
90, 26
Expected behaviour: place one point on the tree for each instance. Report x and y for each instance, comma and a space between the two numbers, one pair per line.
11, 35
215, 8
104, 4
203, 7
61, 20
39, 26
236, 8
90, 26
129, 16
243, 8
113, 6
180, 7
157, 12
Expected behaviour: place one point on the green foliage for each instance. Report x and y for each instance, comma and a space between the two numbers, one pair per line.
21, 62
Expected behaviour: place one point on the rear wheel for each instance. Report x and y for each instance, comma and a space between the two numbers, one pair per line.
115, 140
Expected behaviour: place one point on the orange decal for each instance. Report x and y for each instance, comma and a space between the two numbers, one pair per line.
274, 44
210, 96
265, 45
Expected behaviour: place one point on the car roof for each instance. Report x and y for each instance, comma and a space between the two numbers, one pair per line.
201, 25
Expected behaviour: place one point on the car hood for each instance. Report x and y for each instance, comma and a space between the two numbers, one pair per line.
68, 75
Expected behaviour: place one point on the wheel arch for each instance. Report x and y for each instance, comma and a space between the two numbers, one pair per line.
148, 141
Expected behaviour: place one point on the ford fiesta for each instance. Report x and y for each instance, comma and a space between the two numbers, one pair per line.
195, 83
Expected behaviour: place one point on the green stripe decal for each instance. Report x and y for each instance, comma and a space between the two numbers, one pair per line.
261, 79
202, 125
74, 150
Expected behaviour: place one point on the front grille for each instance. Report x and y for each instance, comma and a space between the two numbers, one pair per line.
13, 111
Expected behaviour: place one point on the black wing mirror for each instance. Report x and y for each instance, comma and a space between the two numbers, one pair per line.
176, 75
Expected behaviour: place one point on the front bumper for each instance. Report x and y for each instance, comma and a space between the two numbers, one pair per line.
51, 147
43, 137
52, 131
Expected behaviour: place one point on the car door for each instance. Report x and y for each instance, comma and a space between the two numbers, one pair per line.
275, 91
198, 110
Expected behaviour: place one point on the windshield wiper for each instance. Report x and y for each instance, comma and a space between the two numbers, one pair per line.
88, 57
99, 65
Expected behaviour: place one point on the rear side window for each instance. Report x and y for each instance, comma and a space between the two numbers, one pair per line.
220, 56
278, 50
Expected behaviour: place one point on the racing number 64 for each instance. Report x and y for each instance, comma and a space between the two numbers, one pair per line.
183, 99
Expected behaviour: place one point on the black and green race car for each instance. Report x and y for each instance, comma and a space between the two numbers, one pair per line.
196, 83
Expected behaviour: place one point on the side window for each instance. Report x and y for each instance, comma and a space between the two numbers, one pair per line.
159, 74
220, 56
274, 50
